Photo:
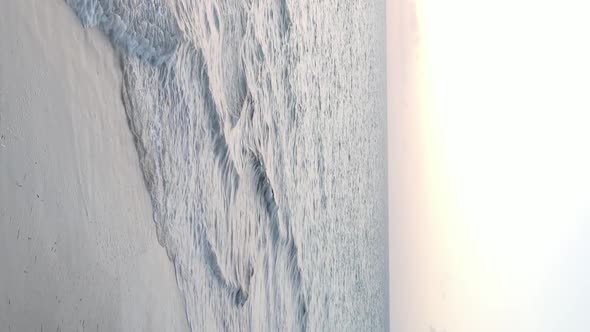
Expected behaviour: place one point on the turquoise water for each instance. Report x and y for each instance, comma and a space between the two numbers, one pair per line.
260, 127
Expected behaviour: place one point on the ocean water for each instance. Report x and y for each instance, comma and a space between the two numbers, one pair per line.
260, 129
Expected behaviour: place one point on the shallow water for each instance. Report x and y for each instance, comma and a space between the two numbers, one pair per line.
260, 128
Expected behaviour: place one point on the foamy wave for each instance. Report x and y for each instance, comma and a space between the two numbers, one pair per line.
231, 112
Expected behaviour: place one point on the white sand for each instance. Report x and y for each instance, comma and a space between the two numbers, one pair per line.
78, 249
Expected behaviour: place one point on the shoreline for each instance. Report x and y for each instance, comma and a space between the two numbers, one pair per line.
78, 246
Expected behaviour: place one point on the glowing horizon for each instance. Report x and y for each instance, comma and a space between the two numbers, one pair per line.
489, 124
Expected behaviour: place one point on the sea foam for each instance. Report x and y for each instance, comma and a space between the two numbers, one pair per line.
255, 125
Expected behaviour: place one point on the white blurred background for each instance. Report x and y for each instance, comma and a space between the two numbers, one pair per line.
489, 105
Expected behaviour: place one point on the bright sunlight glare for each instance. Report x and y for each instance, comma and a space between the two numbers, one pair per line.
504, 89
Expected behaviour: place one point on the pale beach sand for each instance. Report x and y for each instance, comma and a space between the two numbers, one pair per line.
78, 249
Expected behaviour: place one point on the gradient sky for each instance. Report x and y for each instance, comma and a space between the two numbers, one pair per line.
489, 124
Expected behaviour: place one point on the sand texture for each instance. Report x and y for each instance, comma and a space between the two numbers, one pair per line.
78, 249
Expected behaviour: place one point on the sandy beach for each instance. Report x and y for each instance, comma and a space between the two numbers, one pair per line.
78, 248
